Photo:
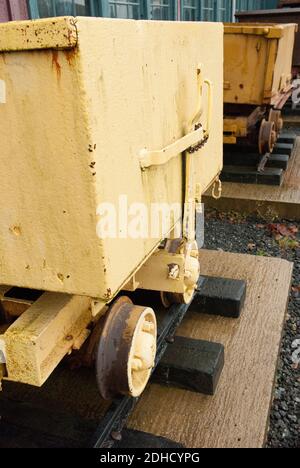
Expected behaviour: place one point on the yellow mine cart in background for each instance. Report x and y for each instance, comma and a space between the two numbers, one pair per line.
96, 113
257, 81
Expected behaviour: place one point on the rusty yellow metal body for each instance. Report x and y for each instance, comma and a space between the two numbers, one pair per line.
257, 62
257, 73
82, 99
98, 112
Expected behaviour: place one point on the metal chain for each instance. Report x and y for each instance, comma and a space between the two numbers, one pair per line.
195, 148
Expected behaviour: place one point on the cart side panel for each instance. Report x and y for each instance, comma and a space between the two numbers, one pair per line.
48, 236
285, 15
142, 93
80, 118
244, 53
258, 62
283, 64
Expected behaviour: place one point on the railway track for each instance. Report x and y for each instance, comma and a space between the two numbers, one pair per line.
245, 165
68, 411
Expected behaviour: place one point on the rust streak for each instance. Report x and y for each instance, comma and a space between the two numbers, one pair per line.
70, 55
55, 63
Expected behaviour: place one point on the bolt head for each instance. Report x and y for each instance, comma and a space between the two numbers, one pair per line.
117, 436
170, 339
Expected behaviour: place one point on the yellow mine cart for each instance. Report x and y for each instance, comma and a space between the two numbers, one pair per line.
257, 81
104, 124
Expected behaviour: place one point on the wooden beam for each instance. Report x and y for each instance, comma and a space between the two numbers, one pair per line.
44, 334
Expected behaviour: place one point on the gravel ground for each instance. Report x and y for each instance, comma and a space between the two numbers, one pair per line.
232, 233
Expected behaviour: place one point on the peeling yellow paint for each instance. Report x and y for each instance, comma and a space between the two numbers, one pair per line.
53, 33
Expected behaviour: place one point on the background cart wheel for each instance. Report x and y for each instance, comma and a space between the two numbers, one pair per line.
275, 116
168, 299
267, 137
127, 349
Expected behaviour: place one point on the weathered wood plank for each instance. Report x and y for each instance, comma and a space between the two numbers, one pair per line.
237, 416
137, 439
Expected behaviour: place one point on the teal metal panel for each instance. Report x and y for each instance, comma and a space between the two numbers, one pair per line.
270, 4
161, 9
190, 10
215, 10
33, 9
207, 10
138, 9
104, 7
243, 5
223, 10
131, 9
48, 8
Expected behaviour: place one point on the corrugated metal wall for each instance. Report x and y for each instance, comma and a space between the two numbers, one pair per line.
13, 10
188, 10
207, 10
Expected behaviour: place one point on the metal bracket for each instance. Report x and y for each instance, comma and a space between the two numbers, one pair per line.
163, 271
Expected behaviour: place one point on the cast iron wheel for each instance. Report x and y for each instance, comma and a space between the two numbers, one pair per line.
126, 351
267, 137
275, 116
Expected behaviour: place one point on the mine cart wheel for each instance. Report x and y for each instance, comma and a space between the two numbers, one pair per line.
126, 350
275, 116
267, 137
191, 275
169, 299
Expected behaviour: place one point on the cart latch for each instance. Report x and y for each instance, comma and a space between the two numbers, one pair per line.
192, 142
